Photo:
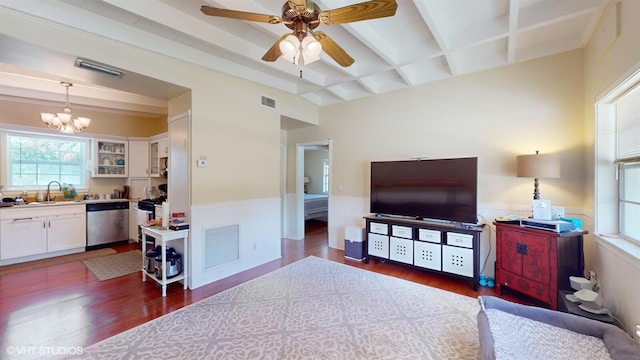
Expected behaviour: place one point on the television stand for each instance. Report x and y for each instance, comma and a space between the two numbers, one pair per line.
443, 248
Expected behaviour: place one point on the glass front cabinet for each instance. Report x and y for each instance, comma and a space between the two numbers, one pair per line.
109, 158
159, 152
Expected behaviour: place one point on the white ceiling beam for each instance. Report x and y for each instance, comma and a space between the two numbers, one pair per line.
437, 35
514, 11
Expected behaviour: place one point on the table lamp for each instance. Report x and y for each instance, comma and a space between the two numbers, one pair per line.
538, 166
306, 181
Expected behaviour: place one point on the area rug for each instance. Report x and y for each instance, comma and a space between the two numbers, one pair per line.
311, 309
39, 264
113, 266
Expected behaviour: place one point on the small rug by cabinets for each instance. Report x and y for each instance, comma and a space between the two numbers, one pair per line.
39, 264
311, 309
113, 266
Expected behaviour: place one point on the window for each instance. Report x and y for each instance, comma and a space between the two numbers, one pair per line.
35, 160
628, 160
617, 159
325, 176
630, 200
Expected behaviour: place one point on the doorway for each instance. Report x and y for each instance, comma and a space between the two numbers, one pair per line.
313, 175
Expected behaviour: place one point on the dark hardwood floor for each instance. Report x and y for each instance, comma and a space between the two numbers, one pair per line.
67, 302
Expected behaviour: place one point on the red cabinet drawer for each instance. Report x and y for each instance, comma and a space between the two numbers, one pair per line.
534, 289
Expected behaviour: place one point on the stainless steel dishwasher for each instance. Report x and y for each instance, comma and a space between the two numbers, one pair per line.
107, 223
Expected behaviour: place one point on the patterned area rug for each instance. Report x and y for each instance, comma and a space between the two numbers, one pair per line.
311, 309
112, 266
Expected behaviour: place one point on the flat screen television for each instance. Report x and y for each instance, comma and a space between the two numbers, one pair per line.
438, 189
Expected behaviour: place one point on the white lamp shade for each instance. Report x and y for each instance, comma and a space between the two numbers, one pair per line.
290, 48
67, 129
84, 122
47, 117
64, 117
311, 49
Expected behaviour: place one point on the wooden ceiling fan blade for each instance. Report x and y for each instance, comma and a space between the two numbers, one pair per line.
357, 12
240, 15
274, 52
333, 49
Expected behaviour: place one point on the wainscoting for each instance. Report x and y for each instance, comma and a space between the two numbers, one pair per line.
249, 231
618, 274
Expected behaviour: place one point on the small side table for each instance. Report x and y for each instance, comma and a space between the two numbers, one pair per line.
162, 237
570, 307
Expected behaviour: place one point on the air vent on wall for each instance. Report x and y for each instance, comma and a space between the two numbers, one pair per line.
221, 245
105, 69
268, 102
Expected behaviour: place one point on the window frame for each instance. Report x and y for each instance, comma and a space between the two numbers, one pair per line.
607, 211
5, 133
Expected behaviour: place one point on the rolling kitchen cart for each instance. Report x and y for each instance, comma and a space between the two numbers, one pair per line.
162, 238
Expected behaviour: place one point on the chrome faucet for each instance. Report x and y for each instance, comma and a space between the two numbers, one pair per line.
49, 189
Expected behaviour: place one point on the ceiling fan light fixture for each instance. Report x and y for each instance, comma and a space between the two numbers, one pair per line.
311, 46
289, 46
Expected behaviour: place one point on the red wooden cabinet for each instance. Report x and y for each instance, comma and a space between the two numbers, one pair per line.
537, 262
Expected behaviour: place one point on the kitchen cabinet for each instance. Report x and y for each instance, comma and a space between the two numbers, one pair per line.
110, 158
163, 147
22, 236
158, 152
34, 232
138, 159
66, 231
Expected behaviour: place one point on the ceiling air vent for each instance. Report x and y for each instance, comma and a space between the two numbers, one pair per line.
268, 102
105, 69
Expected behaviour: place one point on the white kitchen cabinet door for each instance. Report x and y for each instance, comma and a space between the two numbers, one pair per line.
110, 158
163, 147
138, 159
23, 237
158, 153
66, 232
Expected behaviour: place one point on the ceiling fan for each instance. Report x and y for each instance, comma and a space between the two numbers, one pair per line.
303, 16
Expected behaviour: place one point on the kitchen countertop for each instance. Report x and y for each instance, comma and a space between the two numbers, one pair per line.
64, 202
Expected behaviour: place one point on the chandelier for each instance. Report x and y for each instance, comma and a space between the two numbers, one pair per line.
63, 121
